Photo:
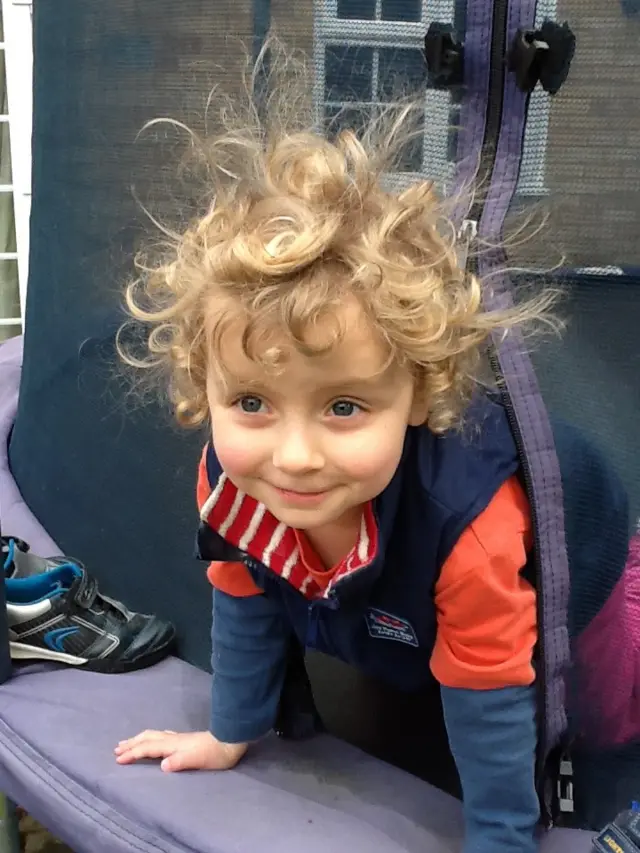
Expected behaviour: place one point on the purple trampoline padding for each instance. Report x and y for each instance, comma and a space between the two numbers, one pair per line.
15, 515
58, 728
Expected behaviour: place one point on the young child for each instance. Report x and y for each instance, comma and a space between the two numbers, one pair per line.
360, 492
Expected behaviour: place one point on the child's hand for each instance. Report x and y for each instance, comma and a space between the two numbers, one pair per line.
188, 751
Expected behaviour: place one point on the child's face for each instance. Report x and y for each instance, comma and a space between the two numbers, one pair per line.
322, 436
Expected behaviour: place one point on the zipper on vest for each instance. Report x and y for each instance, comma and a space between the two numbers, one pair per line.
311, 640
331, 602
468, 233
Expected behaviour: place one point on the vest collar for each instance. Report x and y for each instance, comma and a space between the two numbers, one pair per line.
248, 526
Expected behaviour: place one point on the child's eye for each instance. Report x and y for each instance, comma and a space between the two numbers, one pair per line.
250, 404
345, 409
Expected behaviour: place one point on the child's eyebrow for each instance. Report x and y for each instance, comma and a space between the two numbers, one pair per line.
335, 384
234, 383
376, 380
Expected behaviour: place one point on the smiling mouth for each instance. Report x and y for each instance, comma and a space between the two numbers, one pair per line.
299, 493
294, 495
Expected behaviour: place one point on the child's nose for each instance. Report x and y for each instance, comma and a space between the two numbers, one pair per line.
296, 453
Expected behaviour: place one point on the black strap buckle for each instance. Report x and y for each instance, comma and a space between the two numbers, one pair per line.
556, 786
542, 56
564, 788
444, 56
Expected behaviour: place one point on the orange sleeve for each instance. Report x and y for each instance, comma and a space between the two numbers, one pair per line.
232, 578
486, 610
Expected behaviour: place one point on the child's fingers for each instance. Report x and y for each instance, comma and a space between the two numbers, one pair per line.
190, 757
179, 761
160, 747
148, 734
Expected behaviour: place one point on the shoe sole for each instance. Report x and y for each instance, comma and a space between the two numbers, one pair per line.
23, 652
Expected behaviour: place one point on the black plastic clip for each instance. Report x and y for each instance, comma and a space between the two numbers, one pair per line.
542, 56
444, 56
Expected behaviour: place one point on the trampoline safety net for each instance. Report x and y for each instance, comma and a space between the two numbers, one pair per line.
113, 480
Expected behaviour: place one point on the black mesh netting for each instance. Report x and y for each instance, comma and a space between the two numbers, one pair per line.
111, 478
580, 148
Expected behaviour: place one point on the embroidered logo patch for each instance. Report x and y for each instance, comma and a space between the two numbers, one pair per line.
384, 626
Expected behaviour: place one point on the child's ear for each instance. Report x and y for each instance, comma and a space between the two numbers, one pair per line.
419, 408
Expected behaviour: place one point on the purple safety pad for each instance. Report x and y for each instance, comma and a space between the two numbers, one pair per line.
58, 728
15, 515
57, 733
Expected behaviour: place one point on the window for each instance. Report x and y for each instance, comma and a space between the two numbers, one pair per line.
366, 51
15, 161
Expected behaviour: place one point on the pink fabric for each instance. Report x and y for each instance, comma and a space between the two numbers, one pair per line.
608, 662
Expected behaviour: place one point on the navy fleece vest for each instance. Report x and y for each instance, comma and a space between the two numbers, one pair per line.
381, 619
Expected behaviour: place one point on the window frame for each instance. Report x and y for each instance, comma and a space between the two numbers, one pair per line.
330, 30
18, 55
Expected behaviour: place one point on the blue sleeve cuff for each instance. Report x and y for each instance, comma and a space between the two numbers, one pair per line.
493, 739
249, 640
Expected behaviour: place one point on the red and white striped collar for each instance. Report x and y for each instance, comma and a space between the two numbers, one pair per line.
248, 525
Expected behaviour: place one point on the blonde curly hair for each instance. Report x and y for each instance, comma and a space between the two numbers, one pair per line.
297, 223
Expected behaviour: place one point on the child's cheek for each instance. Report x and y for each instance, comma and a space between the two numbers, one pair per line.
375, 463
234, 454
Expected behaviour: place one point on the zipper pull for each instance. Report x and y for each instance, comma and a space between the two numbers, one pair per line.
467, 233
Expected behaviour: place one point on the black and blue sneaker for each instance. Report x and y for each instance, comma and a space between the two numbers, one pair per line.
59, 615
